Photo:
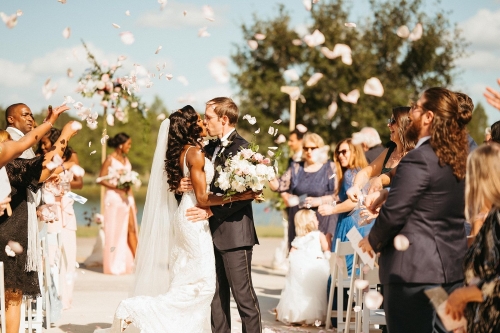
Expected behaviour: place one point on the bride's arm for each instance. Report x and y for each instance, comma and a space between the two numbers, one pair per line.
195, 160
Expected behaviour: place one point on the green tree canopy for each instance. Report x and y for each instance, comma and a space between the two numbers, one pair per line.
478, 124
404, 67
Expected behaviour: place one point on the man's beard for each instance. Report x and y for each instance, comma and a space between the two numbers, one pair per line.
413, 130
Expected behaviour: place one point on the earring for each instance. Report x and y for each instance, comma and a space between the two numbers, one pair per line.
121, 146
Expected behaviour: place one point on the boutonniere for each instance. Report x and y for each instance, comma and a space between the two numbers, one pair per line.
224, 144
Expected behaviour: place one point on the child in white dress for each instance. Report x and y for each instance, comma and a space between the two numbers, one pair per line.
304, 300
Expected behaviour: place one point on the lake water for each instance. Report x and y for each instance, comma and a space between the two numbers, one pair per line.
263, 214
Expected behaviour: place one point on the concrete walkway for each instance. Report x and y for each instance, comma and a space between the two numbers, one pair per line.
97, 295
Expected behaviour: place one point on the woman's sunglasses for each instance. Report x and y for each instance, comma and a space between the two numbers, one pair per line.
391, 121
309, 148
342, 152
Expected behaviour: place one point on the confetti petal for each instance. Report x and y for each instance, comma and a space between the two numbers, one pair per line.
279, 121
9, 20
158, 49
259, 36
184, 13
162, 3
68, 100
110, 119
314, 79
339, 50
19, 12
203, 32
301, 128
16, 247
252, 44
416, 33
314, 39
270, 130
90, 143
66, 32
93, 152
257, 131
208, 13
48, 89
161, 117
373, 299
169, 76
307, 4
218, 69
350, 24
297, 42
332, 109
361, 284
69, 72
9, 252
291, 74
403, 31
401, 243
104, 139
374, 87
281, 139
127, 13
351, 97
116, 26
127, 37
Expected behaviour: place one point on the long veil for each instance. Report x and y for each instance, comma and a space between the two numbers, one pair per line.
156, 234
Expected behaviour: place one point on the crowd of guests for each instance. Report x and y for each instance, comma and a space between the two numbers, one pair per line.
431, 184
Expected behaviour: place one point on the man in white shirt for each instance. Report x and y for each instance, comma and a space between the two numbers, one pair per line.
20, 121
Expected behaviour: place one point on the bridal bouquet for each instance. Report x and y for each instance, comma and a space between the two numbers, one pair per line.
122, 178
247, 170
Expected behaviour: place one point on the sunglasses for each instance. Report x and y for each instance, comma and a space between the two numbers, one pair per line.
309, 148
391, 121
343, 152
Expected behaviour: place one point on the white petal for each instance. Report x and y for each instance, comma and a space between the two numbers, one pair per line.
374, 87
403, 31
252, 120
279, 121
15, 246
66, 32
354, 123
291, 74
68, 100
93, 152
76, 126
416, 34
162, 3
127, 13
301, 128
351, 97
218, 69
275, 132
257, 131
315, 39
208, 13
90, 143
116, 26
307, 4
281, 139
19, 12
104, 139
110, 119
252, 44
332, 109
272, 148
78, 105
69, 72
259, 36
161, 116
77, 170
203, 32
169, 76
9, 252
183, 80
297, 42
184, 13
127, 37
270, 130
373, 299
270, 153
350, 24
158, 49
401, 243
314, 79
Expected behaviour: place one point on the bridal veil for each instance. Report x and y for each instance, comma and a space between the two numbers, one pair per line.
152, 276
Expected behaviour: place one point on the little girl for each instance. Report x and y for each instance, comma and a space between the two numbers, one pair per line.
303, 299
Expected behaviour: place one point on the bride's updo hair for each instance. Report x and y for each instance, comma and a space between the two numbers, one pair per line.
184, 130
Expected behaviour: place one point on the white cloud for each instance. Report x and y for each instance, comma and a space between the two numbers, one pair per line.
14, 75
483, 29
172, 17
481, 60
200, 97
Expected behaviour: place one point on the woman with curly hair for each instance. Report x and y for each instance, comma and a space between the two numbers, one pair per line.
175, 259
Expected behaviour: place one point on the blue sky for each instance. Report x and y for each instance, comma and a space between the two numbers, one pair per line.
35, 49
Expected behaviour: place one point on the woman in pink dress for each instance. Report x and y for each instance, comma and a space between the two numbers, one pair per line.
120, 222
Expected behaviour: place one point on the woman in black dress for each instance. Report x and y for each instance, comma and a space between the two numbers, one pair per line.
479, 300
20, 280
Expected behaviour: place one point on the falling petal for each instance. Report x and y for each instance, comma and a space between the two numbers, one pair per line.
339, 50
332, 109
15, 246
158, 49
270, 153
66, 32
270, 130
19, 12
62, 1
127, 37
351, 97
218, 69
127, 13
77, 170
297, 42
374, 87
161, 117
104, 139
252, 44
314, 79
366, 269
403, 31
203, 32
357, 308
93, 152
110, 119
317, 323
354, 123
68, 100
275, 132
90, 143
272, 148
301, 128
184, 13
291, 74
373, 299
183, 80
315, 39
9, 20
9, 252
259, 36
277, 122
307, 4
69, 72
416, 34
78, 105
257, 131
162, 3
281, 139
208, 13
48, 89
401, 243
350, 24
361, 284
251, 120
169, 76
116, 26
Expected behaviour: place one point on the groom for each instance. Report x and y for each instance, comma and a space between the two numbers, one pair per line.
232, 227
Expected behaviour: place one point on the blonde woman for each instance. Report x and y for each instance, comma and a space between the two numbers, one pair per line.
478, 301
309, 183
303, 300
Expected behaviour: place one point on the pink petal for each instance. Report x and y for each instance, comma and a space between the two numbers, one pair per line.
184, 13
208, 13
307, 4
301, 128
66, 32
252, 44
350, 24
259, 36
279, 121
374, 87
297, 42
69, 72
169, 76
281, 139
315, 39
332, 109
351, 97
403, 31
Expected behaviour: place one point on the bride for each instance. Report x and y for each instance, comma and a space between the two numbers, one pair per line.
175, 265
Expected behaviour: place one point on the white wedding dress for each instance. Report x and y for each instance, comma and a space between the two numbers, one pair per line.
185, 307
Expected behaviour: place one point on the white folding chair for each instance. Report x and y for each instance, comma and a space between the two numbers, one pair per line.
339, 281
2, 298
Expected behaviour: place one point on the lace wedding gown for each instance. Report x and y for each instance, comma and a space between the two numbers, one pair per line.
186, 305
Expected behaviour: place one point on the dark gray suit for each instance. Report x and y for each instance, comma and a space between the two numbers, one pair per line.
234, 236
425, 204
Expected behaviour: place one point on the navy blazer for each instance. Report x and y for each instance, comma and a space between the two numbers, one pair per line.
232, 224
426, 204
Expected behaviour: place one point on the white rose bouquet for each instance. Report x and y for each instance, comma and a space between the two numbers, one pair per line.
122, 178
247, 170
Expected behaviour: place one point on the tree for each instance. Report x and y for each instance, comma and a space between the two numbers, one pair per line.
404, 67
478, 124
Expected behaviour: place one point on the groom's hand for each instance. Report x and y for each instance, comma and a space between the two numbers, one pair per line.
195, 214
185, 185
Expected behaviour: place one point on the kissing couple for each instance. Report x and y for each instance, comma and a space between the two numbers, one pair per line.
190, 254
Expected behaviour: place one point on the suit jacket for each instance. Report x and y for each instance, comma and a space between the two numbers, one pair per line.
425, 204
232, 224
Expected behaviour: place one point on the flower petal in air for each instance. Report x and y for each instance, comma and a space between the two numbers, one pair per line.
158, 49
162, 3
373, 299
401, 243
281, 139
351, 97
218, 69
68, 100
127, 12
208, 13
69, 72
403, 31
184, 12
127, 37
66, 32
161, 117
332, 109
203, 32
416, 33
252, 44
270, 130
104, 139
169, 76
297, 42
93, 152
315, 39
301, 128
279, 121
116, 26
259, 36
110, 119
291, 74
307, 4
350, 24
314, 79
373, 87
257, 131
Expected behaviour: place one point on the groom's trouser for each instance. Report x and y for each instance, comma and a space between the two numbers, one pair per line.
233, 269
